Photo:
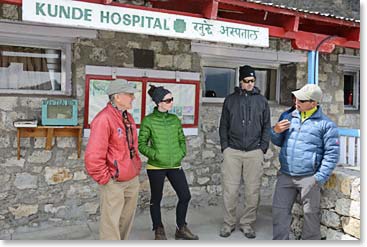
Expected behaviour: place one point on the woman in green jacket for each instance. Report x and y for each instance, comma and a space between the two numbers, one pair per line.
162, 140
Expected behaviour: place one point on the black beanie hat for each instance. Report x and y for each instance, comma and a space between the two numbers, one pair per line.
157, 93
246, 71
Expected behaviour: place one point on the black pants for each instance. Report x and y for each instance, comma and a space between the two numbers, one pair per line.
178, 181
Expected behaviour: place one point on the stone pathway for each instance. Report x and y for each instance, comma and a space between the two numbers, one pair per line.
203, 221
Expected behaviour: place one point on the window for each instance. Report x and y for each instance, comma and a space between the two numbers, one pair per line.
220, 82
351, 90
266, 81
30, 68
226, 59
35, 59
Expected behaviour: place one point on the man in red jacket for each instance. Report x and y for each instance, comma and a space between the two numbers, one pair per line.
112, 160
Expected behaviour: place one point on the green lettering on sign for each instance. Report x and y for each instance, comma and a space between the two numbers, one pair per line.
77, 14
105, 17
127, 19
39, 9
157, 23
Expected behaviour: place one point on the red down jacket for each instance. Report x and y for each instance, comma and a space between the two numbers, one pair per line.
107, 154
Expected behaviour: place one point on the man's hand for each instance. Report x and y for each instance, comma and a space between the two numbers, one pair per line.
282, 126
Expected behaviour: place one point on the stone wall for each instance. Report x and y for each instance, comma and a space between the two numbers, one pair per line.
52, 188
340, 207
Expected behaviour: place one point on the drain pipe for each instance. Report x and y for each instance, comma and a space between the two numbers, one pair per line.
313, 62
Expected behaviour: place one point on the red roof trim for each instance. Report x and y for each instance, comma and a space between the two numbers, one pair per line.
298, 26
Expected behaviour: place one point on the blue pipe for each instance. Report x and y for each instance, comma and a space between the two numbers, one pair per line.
313, 67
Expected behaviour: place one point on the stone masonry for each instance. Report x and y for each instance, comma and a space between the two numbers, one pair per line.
51, 187
340, 207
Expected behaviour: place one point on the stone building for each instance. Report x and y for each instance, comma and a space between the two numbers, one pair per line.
46, 187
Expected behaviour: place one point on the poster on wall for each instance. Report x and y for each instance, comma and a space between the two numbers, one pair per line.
98, 99
183, 100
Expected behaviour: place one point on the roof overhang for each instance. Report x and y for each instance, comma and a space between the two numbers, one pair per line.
305, 29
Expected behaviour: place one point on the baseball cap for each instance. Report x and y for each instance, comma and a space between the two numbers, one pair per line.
121, 86
309, 92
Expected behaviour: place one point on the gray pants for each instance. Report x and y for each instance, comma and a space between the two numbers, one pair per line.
239, 164
285, 194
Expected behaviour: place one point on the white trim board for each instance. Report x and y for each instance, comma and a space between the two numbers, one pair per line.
237, 55
27, 30
162, 74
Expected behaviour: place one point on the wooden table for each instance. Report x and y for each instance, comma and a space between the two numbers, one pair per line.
49, 132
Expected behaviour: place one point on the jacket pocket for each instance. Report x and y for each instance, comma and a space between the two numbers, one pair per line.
127, 169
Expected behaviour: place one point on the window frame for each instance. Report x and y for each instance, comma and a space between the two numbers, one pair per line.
356, 90
65, 49
350, 64
228, 56
214, 63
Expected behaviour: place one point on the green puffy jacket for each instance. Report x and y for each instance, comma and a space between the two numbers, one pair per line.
162, 140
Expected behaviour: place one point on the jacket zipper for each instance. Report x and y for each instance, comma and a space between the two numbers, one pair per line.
117, 173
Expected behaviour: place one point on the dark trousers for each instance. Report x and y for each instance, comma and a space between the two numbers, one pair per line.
178, 181
285, 194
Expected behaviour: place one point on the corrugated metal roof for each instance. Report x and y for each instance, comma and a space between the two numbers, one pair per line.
303, 10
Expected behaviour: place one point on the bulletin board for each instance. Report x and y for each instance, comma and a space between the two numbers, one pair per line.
185, 93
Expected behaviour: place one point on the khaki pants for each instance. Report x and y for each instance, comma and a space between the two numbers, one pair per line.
118, 205
248, 165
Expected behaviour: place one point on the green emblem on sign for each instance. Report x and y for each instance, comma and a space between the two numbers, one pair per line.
179, 26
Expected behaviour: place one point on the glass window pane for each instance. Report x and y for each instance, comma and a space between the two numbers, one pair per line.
183, 103
219, 82
30, 68
348, 90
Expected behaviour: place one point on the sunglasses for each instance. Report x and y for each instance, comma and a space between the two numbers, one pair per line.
167, 101
248, 81
303, 101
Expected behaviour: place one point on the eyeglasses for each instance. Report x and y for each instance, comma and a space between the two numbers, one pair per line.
248, 81
167, 101
303, 101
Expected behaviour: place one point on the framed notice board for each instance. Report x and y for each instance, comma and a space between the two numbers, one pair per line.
185, 92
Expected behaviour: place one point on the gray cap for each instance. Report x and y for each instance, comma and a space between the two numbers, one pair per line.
309, 92
121, 86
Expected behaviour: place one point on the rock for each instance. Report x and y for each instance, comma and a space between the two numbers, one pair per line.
351, 226
57, 175
25, 181
40, 156
330, 219
23, 210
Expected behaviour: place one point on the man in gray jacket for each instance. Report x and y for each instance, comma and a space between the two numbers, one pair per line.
309, 144
244, 137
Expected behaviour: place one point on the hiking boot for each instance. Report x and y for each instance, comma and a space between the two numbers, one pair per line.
184, 233
248, 231
159, 233
226, 231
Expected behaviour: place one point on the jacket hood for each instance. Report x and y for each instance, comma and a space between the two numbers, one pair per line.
254, 91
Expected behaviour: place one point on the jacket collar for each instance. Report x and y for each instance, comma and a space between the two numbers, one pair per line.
240, 91
159, 113
318, 113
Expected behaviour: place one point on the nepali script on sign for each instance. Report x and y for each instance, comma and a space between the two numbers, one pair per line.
105, 17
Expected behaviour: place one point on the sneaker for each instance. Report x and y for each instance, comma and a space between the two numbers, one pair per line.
226, 231
184, 233
248, 231
159, 233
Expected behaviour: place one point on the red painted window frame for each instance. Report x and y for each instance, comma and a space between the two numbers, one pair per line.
144, 81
